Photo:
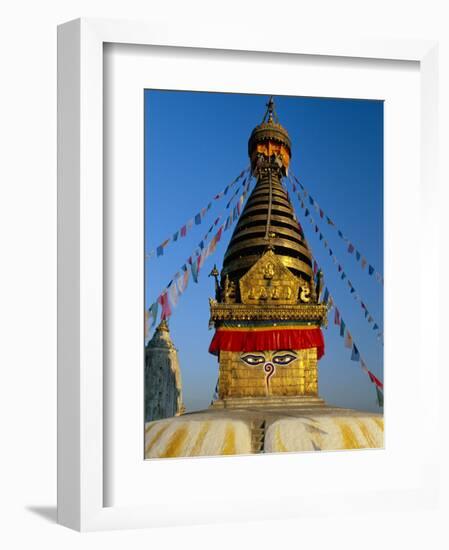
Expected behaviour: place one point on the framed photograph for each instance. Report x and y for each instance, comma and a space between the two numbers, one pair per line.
242, 311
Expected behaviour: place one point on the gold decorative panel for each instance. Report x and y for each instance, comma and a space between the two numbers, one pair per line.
269, 281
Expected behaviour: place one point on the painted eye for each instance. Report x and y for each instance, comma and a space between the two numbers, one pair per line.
253, 359
284, 359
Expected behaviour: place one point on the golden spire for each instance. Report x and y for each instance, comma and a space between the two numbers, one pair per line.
268, 220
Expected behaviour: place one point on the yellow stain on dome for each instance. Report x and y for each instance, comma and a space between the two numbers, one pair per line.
349, 437
367, 434
176, 442
156, 438
229, 441
200, 439
279, 444
379, 422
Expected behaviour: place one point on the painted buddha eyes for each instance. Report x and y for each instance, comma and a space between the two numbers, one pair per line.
282, 358
253, 359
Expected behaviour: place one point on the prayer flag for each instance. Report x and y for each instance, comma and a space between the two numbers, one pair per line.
194, 270
357, 255
364, 262
380, 397
342, 328
175, 236
376, 326
219, 233
183, 231
163, 301
321, 213
306, 213
363, 366
343, 275
326, 295
315, 267
337, 317
321, 236
370, 269
153, 312
173, 294
340, 234
348, 339
375, 380
159, 251
311, 200
198, 219
350, 248
355, 355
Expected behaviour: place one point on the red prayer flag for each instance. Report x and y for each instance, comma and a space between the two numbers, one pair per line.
163, 301
375, 380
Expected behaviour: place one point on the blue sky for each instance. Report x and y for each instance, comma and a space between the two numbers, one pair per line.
195, 144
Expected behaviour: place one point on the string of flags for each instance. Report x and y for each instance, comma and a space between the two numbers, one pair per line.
342, 273
351, 248
168, 298
198, 218
350, 344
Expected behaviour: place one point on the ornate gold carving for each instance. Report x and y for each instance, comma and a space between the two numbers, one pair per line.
314, 313
229, 291
269, 280
305, 293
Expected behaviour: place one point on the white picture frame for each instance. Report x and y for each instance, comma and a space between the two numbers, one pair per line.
81, 422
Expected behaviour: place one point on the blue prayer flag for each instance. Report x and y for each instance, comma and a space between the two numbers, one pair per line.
355, 355
195, 271
198, 219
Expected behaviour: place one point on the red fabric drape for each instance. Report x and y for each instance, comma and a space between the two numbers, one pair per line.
260, 340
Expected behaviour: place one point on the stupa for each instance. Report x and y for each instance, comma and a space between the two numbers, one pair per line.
163, 384
268, 318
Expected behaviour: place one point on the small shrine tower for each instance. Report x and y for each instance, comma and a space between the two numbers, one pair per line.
163, 385
267, 314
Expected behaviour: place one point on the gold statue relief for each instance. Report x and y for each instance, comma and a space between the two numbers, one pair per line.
288, 293
269, 271
263, 293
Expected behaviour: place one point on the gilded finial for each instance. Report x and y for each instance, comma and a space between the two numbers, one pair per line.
163, 326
